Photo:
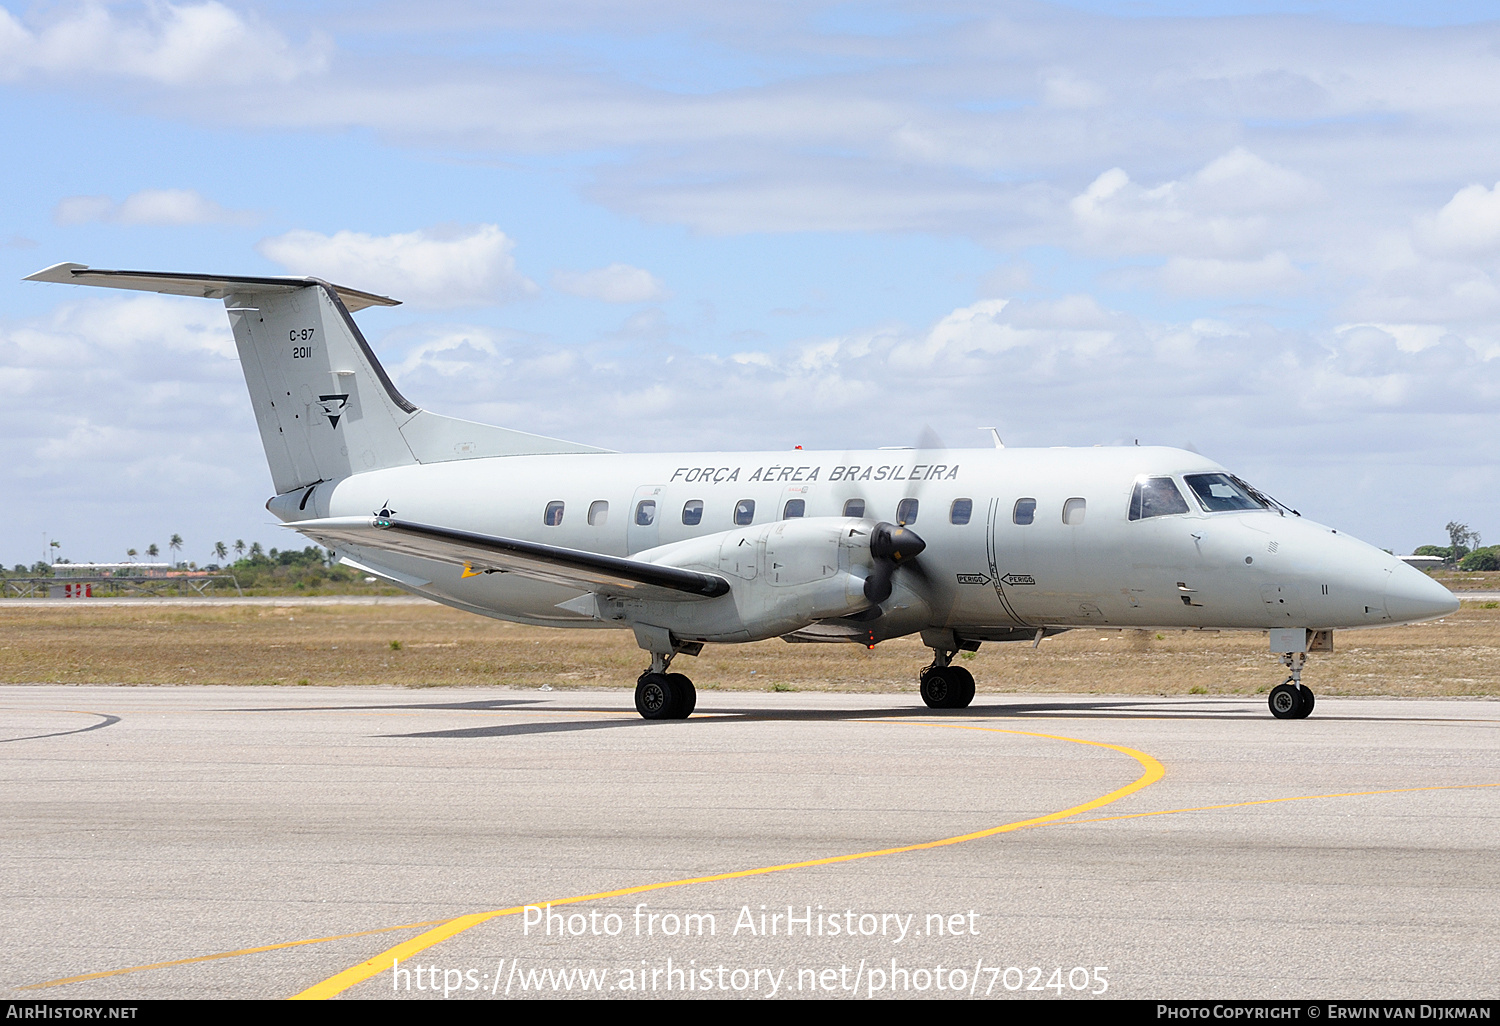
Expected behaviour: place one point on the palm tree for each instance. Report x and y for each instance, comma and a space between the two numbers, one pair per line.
175, 544
221, 551
152, 550
130, 553
239, 548
255, 550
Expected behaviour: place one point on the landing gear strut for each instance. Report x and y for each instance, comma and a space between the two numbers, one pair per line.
1291, 699
945, 686
660, 695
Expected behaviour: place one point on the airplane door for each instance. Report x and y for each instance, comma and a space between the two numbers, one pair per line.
643, 526
1001, 554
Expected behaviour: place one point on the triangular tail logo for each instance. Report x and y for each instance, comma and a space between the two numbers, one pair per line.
333, 407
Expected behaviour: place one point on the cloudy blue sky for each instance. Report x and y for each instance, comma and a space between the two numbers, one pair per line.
1268, 230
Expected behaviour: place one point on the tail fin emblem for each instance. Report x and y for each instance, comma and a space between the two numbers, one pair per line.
333, 407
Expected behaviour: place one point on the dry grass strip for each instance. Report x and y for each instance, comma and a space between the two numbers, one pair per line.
77, 644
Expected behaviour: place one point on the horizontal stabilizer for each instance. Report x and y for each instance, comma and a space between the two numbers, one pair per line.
203, 286
479, 553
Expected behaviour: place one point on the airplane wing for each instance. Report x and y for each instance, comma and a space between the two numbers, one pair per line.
481, 553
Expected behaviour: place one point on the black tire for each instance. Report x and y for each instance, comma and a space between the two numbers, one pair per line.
935, 688
655, 697
947, 687
1286, 703
685, 694
1308, 701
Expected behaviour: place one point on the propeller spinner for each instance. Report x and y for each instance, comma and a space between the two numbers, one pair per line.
891, 545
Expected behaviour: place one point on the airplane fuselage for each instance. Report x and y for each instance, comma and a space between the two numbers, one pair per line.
987, 571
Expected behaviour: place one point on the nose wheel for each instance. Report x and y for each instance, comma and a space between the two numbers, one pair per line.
1292, 700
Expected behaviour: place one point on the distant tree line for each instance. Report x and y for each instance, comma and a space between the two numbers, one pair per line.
305, 570
1463, 549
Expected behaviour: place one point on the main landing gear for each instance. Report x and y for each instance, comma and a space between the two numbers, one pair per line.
660, 695
945, 686
1291, 699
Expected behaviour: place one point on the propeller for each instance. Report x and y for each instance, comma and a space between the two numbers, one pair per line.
891, 545
897, 545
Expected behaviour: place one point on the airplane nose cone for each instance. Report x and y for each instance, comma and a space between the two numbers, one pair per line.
1411, 595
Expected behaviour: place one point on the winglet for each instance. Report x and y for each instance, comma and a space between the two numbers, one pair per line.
995, 435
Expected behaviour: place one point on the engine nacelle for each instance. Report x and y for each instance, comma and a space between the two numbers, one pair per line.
782, 577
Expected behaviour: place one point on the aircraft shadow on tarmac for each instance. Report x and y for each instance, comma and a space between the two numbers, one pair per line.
1075, 710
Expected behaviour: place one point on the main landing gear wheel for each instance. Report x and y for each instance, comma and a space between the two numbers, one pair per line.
654, 696
1291, 702
665, 696
947, 687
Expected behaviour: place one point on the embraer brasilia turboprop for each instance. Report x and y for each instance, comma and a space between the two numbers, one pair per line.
689, 549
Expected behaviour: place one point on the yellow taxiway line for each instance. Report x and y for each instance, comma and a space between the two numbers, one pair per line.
223, 954
1277, 801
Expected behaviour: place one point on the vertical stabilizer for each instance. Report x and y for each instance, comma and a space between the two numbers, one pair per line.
323, 403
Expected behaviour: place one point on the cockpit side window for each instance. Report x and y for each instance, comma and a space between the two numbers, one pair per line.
1156, 497
1217, 493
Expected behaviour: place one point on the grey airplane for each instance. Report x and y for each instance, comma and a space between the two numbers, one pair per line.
958, 546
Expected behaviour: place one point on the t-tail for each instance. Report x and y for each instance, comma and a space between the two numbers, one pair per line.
325, 406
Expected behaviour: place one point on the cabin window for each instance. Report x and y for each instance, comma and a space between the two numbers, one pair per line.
906, 511
598, 513
552, 516
960, 511
692, 512
645, 512
1220, 492
744, 511
1025, 511
1156, 497
855, 508
794, 508
1073, 511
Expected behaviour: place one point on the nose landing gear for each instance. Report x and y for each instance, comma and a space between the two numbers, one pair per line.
1291, 699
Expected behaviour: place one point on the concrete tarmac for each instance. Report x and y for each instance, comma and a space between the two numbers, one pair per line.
261, 842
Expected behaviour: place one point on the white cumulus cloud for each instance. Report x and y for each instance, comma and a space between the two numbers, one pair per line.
432, 267
169, 44
149, 207
1221, 210
1468, 224
617, 283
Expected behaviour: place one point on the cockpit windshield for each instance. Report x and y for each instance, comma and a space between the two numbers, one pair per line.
1218, 493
